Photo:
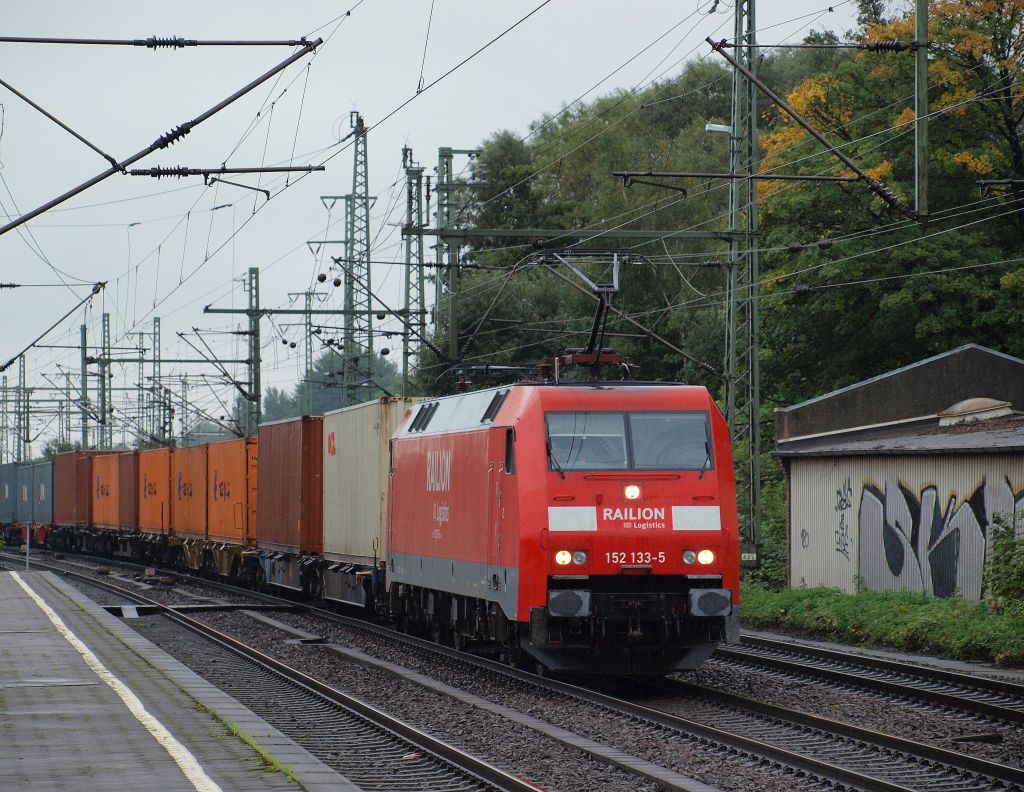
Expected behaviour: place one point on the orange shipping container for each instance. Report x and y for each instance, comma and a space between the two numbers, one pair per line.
105, 491
188, 492
291, 504
231, 491
155, 490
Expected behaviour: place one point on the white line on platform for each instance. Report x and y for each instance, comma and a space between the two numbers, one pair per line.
178, 752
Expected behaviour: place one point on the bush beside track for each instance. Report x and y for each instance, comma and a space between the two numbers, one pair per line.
911, 622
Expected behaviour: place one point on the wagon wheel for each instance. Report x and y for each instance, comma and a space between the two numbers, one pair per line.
440, 631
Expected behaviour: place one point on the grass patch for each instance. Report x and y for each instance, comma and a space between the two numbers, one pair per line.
270, 762
912, 622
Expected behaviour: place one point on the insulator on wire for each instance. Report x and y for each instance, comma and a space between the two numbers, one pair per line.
172, 42
159, 172
795, 247
174, 135
891, 46
824, 244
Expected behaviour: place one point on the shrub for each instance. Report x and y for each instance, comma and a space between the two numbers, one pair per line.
1004, 570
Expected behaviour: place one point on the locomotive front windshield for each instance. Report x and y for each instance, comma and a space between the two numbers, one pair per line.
628, 441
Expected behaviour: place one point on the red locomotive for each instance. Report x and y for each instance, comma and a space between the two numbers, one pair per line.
588, 527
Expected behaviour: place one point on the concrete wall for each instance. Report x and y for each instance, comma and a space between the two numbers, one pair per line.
914, 523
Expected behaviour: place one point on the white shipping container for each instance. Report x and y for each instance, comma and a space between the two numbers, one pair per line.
355, 479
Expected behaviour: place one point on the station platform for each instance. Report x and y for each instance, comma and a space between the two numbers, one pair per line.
86, 703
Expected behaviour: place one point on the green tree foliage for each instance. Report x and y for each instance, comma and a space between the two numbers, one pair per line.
877, 293
324, 381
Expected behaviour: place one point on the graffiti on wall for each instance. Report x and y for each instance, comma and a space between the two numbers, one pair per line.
917, 541
844, 503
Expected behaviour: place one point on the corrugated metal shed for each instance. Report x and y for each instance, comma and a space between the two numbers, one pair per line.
882, 495
914, 523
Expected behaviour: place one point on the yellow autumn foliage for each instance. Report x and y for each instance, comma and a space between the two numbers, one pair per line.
906, 117
955, 99
979, 164
881, 171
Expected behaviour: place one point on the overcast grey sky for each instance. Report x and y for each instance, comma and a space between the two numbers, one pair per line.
163, 248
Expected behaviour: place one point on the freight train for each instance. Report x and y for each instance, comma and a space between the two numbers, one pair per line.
574, 527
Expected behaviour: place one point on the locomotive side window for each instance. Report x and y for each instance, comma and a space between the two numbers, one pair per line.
628, 441
510, 451
669, 441
587, 441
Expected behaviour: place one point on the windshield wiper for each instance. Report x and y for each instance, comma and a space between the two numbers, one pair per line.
554, 461
707, 460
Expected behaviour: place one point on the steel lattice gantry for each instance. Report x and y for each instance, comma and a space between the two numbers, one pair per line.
357, 343
415, 280
742, 377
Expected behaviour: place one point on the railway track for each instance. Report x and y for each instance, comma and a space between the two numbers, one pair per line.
993, 698
366, 745
812, 748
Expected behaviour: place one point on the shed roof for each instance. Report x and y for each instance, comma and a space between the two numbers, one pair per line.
905, 397
995, 436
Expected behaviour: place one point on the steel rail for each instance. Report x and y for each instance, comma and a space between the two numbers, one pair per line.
736, 742
480, 770
1011, 775
1004, 686
844, 669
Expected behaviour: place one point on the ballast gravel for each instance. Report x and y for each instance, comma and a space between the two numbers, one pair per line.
501, 742
972, 734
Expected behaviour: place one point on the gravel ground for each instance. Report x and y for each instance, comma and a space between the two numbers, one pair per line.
501, 742
509, 745
903, 718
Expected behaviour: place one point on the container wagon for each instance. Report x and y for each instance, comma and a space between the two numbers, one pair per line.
188, 509
73, 501
290, 504
356, 462
232, 471
154, 495
8, 498
24, 502
42, 501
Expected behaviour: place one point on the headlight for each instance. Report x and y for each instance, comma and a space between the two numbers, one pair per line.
706, 557
563, 558
579, 557
689, 557
631, 491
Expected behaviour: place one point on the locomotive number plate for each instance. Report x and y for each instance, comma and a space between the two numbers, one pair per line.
634, 557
